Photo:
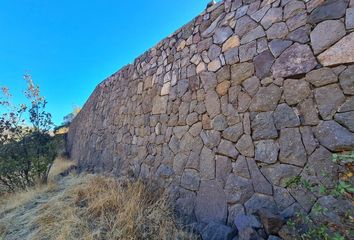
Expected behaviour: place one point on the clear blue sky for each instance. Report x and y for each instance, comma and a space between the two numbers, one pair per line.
69, 46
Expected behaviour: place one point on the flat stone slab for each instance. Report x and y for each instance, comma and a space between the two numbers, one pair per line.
292, 151
159, 105
263, 126
334, 136
349, 18
321, 77
279, 174
331, 9
266, 99
295, 60
325, 34
266, 151
328, 99
211, 203
340, 53
346, 80
238, 189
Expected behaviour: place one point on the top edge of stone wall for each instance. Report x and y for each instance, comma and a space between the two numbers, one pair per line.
113, 76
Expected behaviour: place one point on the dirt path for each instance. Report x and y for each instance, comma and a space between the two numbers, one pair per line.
19, 222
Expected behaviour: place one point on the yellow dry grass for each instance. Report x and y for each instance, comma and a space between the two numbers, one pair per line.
102, 208
11, 201
16, 200
89, 207
60, 165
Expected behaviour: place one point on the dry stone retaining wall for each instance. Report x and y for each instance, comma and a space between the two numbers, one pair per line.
231, 106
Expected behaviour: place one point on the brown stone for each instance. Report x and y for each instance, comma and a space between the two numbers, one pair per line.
206, 122
214, 65
223, 87
240, 72
232, 42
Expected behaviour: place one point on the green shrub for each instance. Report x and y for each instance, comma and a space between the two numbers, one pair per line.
27, 148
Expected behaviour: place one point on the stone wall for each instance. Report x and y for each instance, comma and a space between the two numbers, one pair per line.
231, 106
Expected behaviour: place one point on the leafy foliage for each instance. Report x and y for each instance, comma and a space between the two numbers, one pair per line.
345, 158
303, 226
26, 147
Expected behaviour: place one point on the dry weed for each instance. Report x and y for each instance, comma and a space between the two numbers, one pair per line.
11, 201
60, 165
103, 208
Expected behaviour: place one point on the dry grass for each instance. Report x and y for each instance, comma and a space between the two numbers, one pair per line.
60, 165
11, 201
102, 208
88, 207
